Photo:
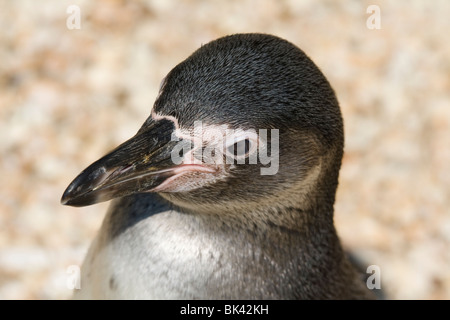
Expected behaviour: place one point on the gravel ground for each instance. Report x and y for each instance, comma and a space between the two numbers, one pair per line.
70, 95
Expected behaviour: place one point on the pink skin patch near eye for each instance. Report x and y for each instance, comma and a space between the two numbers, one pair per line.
192, 172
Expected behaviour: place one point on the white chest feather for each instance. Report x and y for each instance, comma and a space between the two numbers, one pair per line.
152, 259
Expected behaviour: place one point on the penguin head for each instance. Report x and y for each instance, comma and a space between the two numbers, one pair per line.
247, 120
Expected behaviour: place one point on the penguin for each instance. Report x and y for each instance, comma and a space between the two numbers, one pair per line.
227, 190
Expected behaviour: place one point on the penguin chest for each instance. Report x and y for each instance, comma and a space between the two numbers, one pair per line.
151, 260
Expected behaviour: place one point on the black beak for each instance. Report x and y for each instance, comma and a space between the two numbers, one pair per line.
138, 165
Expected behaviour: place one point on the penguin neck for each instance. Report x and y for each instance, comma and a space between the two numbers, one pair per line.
279, 226
292, 226
293, 256
288, 213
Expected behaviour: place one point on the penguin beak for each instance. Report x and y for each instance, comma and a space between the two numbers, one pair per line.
140, 164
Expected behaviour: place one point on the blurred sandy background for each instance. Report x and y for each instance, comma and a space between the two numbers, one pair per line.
69, 96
